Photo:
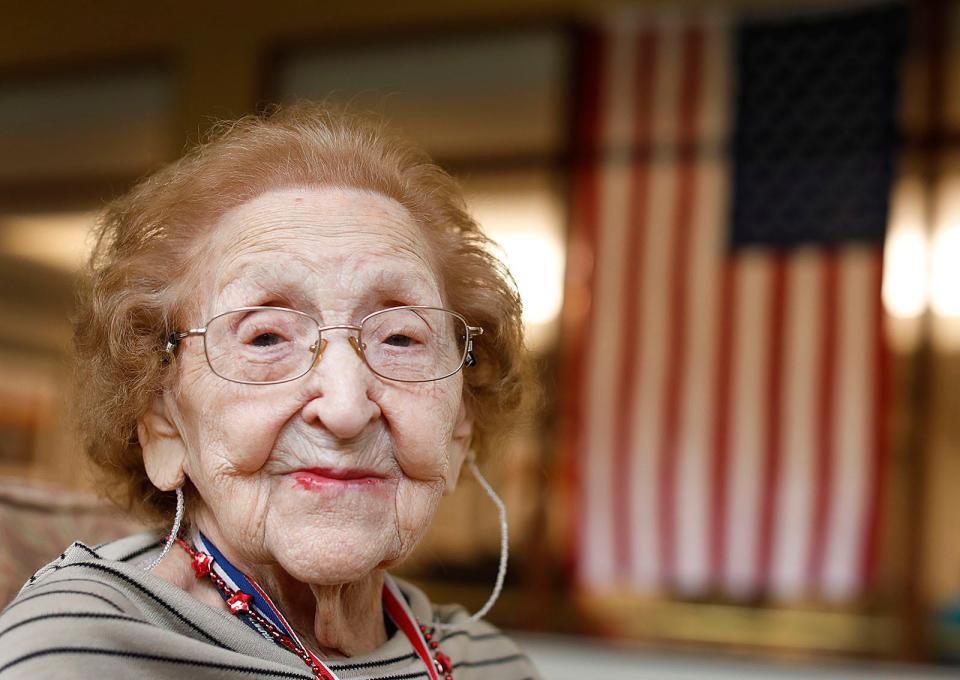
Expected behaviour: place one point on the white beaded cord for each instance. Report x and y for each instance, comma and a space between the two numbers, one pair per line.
174, 531
504, 552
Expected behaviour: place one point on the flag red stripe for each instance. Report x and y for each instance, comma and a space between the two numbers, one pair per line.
676, 359
774, 416
592, 82
823, 456
632, 328
727, 310
878, 470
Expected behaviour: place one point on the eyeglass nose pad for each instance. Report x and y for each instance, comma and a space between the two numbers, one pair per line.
318, 350
357, 347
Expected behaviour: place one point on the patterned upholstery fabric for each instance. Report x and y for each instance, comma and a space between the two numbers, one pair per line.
37, 522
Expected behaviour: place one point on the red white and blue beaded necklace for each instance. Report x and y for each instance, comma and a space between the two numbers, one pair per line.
247, 600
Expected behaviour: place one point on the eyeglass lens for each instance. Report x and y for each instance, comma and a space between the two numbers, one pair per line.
265, 345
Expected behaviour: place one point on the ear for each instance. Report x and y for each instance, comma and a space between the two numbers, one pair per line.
163, 448
459, 448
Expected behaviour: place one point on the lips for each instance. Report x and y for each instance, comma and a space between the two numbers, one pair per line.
317, 479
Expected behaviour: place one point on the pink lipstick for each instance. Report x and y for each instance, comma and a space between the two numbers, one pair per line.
319, 479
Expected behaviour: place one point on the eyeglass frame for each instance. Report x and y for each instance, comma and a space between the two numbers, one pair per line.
466, 360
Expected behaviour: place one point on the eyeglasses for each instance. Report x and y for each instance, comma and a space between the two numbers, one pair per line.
268, 345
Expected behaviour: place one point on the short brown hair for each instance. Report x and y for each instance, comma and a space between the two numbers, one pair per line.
135, 288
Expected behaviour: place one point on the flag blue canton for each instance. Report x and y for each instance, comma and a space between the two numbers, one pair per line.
816, 128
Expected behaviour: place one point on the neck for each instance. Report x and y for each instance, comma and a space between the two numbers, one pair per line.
334, 621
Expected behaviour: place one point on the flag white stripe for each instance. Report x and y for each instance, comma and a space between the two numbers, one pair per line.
751, 347
854, 388
648, 398
707, 254
602, 363
793, 517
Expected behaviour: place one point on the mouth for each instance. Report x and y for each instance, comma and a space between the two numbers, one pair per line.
318, 479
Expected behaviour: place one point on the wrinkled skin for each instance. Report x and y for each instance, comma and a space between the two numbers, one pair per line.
336, 254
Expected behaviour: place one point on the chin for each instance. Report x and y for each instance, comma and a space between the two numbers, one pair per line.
335, 557
330, 574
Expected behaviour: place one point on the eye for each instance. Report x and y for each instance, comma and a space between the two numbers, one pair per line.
399, 340
397, 329
267, 328
266, 340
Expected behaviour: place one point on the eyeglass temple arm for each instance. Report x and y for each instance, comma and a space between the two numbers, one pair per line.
174, 338
471, 359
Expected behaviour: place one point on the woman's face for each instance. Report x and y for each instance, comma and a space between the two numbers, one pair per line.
263, 457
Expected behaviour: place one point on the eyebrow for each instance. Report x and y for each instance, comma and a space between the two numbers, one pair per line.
387, 281
262, 279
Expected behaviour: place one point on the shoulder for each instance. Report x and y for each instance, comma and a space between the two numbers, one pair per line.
81, 597
81, 569
477, 649
81, 573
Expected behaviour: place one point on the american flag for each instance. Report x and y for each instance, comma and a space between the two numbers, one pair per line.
728, 371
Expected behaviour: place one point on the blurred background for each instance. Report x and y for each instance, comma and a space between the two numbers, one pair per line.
735, 227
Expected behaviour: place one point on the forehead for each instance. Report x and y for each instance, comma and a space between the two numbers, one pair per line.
331, 240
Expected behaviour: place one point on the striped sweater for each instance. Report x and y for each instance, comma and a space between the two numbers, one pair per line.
95, 613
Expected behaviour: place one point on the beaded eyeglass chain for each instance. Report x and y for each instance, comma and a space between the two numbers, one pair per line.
238, 602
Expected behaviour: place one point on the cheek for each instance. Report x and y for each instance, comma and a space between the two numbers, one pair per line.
416, 504
232, 433
246, 434
423, 429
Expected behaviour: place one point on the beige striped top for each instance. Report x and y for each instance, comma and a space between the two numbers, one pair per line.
95, 613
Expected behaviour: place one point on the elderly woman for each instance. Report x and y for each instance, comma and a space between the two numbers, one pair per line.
292, 339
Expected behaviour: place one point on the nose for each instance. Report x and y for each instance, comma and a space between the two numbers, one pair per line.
339, 390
